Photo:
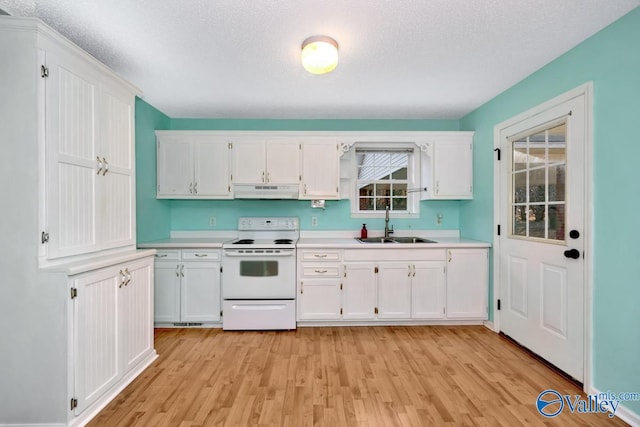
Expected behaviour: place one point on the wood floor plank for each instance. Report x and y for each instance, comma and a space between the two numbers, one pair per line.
348, 376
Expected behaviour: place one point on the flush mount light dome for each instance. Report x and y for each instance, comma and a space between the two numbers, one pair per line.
319, 54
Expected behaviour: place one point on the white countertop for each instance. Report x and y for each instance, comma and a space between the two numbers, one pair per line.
352, 243
186, 242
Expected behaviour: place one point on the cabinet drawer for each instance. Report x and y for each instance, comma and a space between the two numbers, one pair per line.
320, 256
321, 271
167, 255
200, 255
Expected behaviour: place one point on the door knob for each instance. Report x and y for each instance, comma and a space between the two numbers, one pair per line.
574, 234
572, 253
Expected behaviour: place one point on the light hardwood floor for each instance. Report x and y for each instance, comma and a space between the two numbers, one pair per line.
347, 376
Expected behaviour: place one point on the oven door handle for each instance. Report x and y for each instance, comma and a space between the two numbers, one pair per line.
260, 254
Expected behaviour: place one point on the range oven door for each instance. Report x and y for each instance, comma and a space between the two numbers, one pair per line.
259, 274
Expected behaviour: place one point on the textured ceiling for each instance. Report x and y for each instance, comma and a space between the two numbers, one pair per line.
398, 58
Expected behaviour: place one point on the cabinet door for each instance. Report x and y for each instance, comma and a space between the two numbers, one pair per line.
359, 291
200, 292
211, 169
467, 283
96, 335
320, 171
175, 167
116, 225
428, 290
283, 163
319, 299
167, 292
71, 94
249, 163
453, 170
136, 313
394, 290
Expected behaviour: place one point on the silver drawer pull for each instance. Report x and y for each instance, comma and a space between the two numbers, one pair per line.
320, 271
161, 255
320, 255
202, 255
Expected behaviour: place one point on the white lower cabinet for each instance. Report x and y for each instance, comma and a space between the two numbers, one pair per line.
187, 286
467, 283
392, 284
112, 328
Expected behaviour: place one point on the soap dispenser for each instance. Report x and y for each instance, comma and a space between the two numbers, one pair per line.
363, 232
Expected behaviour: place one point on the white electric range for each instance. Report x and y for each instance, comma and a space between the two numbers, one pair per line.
259, 275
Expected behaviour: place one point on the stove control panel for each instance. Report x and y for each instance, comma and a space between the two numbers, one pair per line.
268, 223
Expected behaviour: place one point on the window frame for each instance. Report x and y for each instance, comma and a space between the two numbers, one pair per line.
413, 179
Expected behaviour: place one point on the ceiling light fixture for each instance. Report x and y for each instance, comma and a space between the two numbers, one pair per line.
319, 54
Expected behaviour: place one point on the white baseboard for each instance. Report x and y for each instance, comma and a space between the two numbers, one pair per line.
622, 412
490, 325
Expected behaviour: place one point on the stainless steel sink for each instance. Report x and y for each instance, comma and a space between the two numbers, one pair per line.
375, 240
394, 240
412, 240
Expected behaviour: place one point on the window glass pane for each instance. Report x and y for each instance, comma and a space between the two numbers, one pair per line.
557, 183
367, 190
536, 221
556, 222
519, 221
383, 190
399, 189
399, 173
519, 156
399, 203
536, 185
520, 187
366, 204
382, 203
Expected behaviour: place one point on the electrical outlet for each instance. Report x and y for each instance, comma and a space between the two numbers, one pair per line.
212, 221
439, 219
314, 221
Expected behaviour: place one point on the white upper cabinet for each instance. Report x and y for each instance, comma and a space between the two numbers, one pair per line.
271, 162
320, 177
192, 166
447, 167
89, 150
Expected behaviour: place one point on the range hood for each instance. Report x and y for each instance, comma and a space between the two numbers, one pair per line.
266, 191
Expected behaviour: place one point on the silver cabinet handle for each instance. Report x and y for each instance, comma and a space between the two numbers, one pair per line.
449, 255
106, 166
191, 187
202, 255
320, 255
178, 270
161, 255
414, 270
268, 176
437, 186
182, 270
305, 189
301, 288
126, 270
122, 279
99, 165
263, 176
320, 271
195, 188
409, 275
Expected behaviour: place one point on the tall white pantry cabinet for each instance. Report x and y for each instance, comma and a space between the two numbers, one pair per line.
76, 297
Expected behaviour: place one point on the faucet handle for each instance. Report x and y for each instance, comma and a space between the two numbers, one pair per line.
391, 229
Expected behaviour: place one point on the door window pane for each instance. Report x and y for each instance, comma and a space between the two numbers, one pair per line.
538, 170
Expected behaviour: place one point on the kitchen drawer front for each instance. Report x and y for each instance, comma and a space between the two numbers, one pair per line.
321, 270
320, 255
167, 255
200, 255
394, 254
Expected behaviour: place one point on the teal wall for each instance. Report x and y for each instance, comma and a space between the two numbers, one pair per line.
153, 217
611, 59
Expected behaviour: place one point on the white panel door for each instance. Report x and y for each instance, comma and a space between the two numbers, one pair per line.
211, 168
175, 167
249, 163
320, 171
136, 313
283, 163
116, 225
428, 290
467, 283
200, 292
394, 290
542, 215
96, 335
71, 92
319, 299
166, 301
359, 291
